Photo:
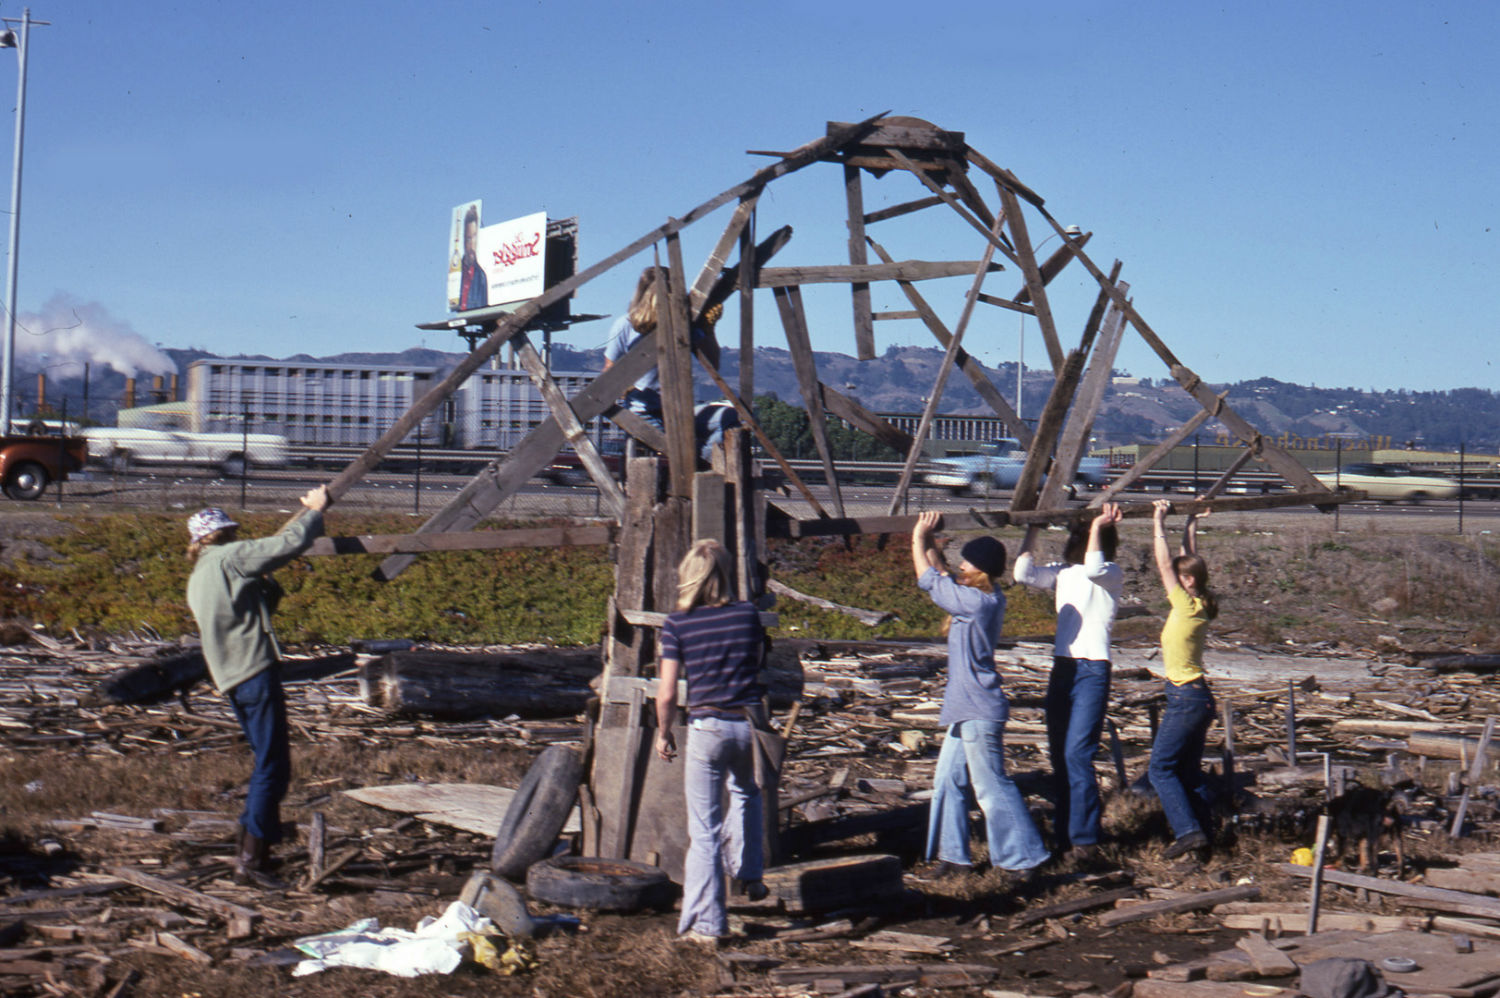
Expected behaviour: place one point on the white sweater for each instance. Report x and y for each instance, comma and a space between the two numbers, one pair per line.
1087, 596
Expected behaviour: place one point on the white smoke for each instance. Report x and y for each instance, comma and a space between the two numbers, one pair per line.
67, 333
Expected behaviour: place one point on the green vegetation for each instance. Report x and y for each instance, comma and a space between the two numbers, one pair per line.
787, 427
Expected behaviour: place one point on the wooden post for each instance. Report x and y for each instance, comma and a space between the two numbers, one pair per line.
710, 509
675, 365
1033, 274
317, 844
1047, 429
1117, 753
1291, 723
1475, 771
634, 732
1226, 714
627, 644
864, 326
747, 280
1316, 894
794, 321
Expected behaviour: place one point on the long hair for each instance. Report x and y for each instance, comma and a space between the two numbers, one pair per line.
703, 576
645, 302
1077, 547
975, 579
1196, 569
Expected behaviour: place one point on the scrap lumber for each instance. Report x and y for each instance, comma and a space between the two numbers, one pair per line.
241, 920
871, 618
799, 344
1414, 893
901, 975
1088, 902
569, 535
1267, 960
839, 882
1171, 906
854, 204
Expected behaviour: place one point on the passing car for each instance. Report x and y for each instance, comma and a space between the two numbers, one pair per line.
998, 466
1391, 482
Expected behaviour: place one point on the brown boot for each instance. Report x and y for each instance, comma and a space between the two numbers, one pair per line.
252, 863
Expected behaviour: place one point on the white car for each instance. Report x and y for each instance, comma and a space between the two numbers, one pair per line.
1391, 482
231, 453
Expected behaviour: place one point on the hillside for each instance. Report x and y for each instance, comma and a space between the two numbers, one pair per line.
1134, 410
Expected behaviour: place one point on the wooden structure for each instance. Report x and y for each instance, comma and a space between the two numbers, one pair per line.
668, 502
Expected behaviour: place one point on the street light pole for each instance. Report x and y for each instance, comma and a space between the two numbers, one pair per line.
8, 359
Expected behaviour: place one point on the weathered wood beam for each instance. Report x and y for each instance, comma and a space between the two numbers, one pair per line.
1277, 457
576, 535
674, 364
1004, 176
897, 314
905, 270
745, 276
861, 418
1223, 480
864, 326
1026, 259
953, 202
897, 211
966, 362
916, 135
709, 273
1075, 434
637, 426
1006, 303
784, 525
1161, 450
574, 431
799, 342
1048, 427
1060, 258
950, 355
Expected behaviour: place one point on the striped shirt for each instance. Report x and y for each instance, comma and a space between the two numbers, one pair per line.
720, 648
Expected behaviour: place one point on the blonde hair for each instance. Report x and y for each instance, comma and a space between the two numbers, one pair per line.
703, 576
645, 302
976, 579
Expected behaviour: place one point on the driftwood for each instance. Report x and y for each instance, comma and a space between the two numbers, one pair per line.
452, 684
871, 618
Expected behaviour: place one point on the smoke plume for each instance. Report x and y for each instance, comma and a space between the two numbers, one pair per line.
67, 333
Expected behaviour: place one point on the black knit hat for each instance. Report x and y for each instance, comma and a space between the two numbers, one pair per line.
985, 554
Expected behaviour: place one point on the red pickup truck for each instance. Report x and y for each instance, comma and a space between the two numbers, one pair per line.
28, 463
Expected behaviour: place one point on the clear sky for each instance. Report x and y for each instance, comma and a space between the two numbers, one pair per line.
1305, 191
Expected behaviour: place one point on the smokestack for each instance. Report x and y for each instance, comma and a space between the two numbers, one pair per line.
175, 396
41, 391
158, 393
129, 400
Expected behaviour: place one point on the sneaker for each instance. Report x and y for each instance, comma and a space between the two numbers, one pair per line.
942, 869
1084, 854
701, 939
756, 890
1191, 842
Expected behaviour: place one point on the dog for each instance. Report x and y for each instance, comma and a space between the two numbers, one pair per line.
1364, 816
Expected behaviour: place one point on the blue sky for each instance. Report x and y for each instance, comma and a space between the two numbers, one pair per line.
1300, 191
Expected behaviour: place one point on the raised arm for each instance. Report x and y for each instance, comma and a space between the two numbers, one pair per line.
1109, 514
1159, 545
1190, 531
924, 553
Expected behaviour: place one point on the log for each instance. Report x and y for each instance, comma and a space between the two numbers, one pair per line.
1448, 746
155, 679
539, 684
1465, 663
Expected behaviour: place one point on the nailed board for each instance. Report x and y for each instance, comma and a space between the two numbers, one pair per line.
472, 807
1441, 969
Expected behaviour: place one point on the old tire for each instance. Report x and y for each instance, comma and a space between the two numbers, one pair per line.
234, 466
27, 481
599, 884
538, 811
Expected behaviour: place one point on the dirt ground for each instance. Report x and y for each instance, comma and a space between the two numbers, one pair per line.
1374, 602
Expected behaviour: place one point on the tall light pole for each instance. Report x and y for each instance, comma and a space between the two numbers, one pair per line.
8, 39
1069, 232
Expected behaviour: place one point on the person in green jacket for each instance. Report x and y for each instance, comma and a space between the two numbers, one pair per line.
232, 596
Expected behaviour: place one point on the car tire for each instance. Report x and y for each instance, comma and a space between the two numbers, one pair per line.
537, 812
119, 461
599, 884
1417, 498
27, 481
234, 466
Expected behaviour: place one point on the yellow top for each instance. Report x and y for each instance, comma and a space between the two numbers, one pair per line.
1182, 636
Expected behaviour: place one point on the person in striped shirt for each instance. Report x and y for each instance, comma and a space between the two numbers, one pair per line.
718, 645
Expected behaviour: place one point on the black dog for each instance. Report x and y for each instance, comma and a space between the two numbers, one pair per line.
1364, 815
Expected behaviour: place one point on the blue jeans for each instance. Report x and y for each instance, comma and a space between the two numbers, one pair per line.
1077, 692
1176, 768
710, 419
971, 769
720, 751
260, 706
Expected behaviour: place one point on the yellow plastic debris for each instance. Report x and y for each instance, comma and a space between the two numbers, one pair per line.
1302, 857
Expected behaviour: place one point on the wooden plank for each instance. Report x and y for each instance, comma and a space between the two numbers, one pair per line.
574, 431
907, 133
1039, 456
1416, 892
1171, 906
861, 418
1088, 902
1006, 303
864, 326
241, 919
674, 363
896, 211
638, 426
628, 775
950, 355
983, 228
1036, 287
1054, 264
672, 537
628, 645
472, 807
1080, 423
746, 276
994, 520
710, 509
1267, 960
1145, 464
1242, 459
709, 273
739, 475
965, 361
794, 321
576, 535
902, 270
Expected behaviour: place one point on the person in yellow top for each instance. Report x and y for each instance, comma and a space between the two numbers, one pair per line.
1176, 769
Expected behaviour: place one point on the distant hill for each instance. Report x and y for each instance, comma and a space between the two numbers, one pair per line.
1134, 410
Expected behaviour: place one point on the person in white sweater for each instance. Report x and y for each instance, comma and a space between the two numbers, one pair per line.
1087, 583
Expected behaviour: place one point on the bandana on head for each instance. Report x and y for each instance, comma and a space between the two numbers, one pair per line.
206, 521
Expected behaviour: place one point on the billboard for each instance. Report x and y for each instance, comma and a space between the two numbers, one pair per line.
495, 264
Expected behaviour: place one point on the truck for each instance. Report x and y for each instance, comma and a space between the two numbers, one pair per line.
163, 438
29, 462
998, 465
